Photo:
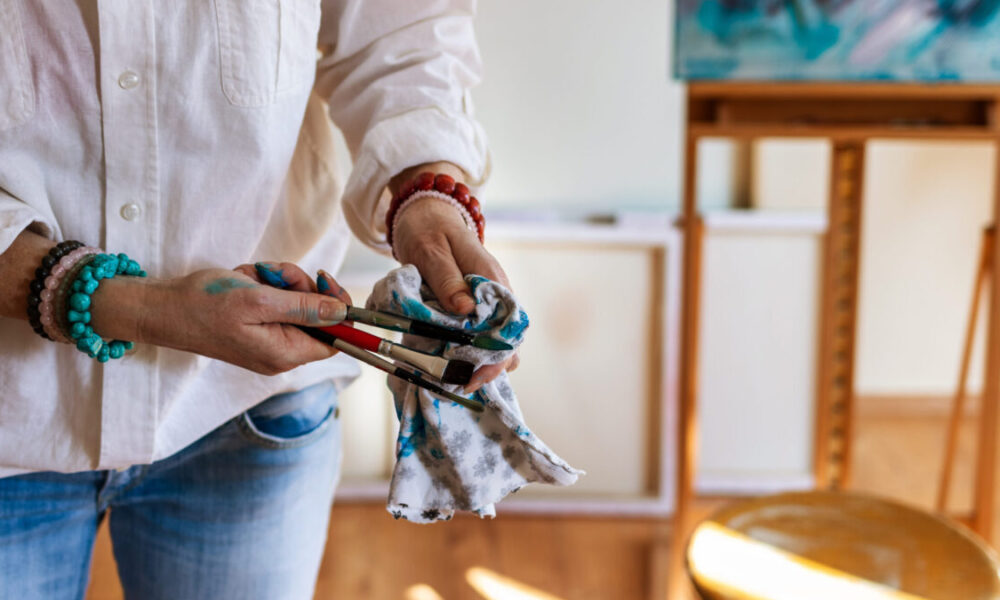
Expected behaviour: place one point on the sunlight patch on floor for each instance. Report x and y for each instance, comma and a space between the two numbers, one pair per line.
493, 586
422, 591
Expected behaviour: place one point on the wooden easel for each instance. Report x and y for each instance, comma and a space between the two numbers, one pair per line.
848, 115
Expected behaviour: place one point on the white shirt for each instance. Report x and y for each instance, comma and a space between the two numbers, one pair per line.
193, 134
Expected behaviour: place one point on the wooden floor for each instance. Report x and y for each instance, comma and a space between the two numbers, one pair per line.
372, 557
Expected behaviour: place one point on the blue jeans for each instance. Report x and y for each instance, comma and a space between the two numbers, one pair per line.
241, 513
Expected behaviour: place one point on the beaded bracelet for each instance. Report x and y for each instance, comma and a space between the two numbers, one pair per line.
36, 288
470, 223
85, 283
444, 184
52, 307
60, 299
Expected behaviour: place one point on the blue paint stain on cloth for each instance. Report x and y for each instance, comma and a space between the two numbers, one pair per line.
449, 458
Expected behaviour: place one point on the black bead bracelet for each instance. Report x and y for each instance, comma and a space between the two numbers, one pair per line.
37, 285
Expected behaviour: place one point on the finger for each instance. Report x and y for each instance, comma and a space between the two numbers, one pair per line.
437, 266
302, 308
484, 375
286, 276
473, 258
328, 286
299, 348
515, 362
294, 279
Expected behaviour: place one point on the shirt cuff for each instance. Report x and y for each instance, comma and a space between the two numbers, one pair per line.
416, 137
16, 216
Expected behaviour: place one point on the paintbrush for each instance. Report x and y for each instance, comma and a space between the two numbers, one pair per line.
454, 371
424, 329
397, 322
384, 365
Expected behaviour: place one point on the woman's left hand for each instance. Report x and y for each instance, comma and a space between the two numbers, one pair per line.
432, 235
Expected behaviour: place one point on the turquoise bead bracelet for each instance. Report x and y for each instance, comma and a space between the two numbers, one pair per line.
86, 282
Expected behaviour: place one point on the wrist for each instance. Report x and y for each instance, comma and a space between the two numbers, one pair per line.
439, 186
121, 308
406, 175
438, 210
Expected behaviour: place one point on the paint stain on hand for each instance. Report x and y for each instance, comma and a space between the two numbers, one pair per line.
226, 284
306, 316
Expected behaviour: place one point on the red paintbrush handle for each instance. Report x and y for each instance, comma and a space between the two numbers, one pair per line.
354, 336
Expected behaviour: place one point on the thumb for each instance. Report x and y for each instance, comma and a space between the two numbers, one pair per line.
439, 270
306, 308
453, 293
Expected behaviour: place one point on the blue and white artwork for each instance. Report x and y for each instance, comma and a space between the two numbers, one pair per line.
894, 40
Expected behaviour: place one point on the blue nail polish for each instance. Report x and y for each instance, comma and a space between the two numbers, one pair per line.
322, 285
271, 276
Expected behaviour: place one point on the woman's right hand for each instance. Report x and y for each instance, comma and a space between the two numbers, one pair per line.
219, 314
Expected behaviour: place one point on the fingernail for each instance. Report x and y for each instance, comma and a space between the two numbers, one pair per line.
331, 313
271, 275
323, 283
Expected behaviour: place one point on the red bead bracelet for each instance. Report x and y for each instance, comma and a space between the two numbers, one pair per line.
442, 184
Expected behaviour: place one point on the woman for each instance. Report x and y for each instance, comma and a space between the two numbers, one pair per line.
193, 137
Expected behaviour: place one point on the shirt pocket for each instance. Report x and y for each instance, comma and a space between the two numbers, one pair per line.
17, 92
267, 48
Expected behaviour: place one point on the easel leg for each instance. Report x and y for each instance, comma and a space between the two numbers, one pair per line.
838, 310
687, 442
985, 494
958, 404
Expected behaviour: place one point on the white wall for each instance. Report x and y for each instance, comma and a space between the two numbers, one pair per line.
578, 105
925, 204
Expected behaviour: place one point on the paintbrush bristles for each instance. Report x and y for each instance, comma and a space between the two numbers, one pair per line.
458, 372
383, 365
438, 367
487, 343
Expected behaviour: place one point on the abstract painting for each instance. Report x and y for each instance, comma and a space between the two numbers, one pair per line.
894, 40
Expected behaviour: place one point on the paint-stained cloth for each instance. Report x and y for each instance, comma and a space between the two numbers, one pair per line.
448, 457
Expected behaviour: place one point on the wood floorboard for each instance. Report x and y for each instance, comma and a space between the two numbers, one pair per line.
369, 556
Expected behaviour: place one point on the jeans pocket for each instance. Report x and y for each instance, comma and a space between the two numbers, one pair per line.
267, 48
291, 420
17, 92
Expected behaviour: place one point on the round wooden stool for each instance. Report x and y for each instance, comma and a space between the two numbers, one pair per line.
836, 545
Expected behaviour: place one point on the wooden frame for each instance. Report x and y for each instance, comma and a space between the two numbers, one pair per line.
724, 227
664, 246
848, 115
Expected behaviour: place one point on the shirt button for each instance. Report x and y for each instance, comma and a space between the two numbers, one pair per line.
128, 80
131, 211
